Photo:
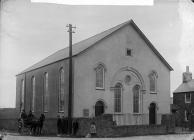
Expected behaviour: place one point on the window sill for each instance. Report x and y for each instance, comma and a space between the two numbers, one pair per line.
153, 92
137, 114
60, 111
118, 113
97, 88
187, 102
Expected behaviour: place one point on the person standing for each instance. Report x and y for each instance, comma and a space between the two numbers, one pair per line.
30, 116
93, 130
75, 127
59, 125
23, 115
63, 125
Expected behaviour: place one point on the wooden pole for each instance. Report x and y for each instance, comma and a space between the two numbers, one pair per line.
70, 80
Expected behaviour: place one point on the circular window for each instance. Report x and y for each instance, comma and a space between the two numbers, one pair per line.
127, 79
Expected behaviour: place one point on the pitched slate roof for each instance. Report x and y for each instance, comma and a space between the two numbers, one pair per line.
185, 87
87, 43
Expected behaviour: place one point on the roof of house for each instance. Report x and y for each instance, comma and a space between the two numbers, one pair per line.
87, 43
185, 87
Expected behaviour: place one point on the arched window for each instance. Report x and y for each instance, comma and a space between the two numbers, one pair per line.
22, 95
117, 98
46, 93
61, 104
100, 76
153, 82
33, 93
136, 98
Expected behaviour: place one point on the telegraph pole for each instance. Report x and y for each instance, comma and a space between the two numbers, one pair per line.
70, 80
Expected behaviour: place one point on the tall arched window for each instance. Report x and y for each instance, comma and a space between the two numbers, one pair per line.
22, 94
136, 99
100, 76
46, 93
153, 82
33, 93
61, 91
117, 98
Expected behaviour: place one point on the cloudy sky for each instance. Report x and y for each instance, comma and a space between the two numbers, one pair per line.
30, 32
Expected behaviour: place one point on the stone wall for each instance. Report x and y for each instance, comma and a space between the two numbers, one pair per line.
8, 119
8, 124
107, 128
103, 125
168, 120
136, 130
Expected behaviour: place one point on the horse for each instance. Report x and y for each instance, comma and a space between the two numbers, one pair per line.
37, 125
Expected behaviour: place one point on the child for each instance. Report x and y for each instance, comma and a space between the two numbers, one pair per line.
93, 129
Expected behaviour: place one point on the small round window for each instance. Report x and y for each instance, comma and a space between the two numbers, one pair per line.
127, 79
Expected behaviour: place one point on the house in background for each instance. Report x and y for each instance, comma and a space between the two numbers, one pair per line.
117, 72
183, 98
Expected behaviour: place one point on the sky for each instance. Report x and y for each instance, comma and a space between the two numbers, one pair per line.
29, 32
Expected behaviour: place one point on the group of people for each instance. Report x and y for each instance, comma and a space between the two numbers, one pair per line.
62, 126
24, 117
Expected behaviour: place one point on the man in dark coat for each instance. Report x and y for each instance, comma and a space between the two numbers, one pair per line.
59, 126
64, 125
30, 116
75, 127
23, 115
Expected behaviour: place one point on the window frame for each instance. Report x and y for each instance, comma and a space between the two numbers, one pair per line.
46, 93
153, 75
120, 86
126, 52
33, 93
22, 98
103, 77
139, 99
59, 93
186, 117
187, 101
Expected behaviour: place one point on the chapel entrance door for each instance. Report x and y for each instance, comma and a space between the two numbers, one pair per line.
152, 113
99, 108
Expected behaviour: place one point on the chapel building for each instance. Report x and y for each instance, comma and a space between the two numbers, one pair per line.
117, 72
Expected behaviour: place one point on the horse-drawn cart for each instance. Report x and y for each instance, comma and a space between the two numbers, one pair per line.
30, 126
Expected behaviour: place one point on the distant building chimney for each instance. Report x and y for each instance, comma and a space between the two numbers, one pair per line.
187, 68
187, 76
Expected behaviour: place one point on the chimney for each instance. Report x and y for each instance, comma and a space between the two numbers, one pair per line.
187, 76
187, 68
